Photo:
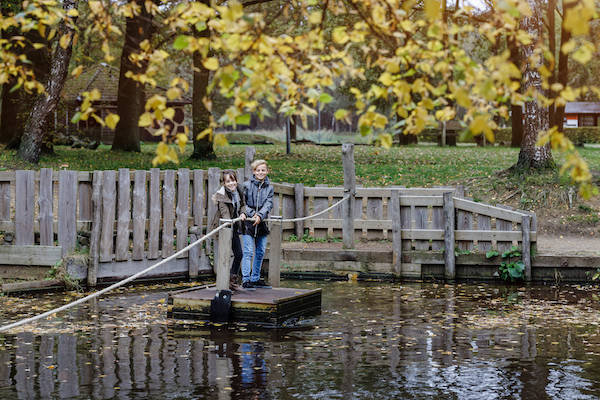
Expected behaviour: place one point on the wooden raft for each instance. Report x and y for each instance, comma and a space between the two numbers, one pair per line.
264, 306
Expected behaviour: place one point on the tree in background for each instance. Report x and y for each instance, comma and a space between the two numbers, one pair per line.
422, 71
16, 104
45, 103
130, 95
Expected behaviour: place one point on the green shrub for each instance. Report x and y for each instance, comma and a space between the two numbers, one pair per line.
579, 136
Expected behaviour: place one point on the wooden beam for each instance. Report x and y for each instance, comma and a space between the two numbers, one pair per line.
223, 258
67, 210
96, 225
394, 205
123, 215
30, 255
24, 208
449, 258
299, 204
491, 211
45, 201
526, 247
250, 152
349, 190
275, 253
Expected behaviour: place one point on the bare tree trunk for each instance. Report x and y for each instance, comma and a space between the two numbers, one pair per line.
130, 96
563, 66
44, 106
536, 116
550, 20
16, 105
203, 148
294, 121
516, 110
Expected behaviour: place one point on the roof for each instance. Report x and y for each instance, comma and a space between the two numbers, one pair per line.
105, 78
582, 107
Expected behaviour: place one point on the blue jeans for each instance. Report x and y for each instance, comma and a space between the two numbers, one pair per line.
253, 246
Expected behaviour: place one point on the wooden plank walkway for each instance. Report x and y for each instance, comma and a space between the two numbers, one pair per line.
267, 307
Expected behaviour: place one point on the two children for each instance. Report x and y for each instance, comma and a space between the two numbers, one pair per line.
253, 202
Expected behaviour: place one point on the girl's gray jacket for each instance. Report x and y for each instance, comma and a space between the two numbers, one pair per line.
259, 201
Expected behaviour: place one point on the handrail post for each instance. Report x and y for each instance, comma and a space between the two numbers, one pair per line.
349, 190
449, 221
223, 257
275, 251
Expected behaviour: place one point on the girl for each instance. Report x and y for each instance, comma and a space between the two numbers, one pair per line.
258, 194
230, 204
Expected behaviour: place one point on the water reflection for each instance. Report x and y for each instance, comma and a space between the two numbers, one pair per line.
388, 341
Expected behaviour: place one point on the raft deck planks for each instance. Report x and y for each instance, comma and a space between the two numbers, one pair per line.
264, 306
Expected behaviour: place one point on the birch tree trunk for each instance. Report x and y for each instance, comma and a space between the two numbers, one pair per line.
45, 104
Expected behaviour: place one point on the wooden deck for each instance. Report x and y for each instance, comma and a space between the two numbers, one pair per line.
268, 307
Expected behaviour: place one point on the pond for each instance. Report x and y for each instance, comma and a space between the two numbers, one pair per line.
373, 340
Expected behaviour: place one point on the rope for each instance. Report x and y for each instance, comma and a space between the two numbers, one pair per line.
310, 216
118, 284
150, 268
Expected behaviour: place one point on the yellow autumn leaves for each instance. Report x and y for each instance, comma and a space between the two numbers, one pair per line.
422, 63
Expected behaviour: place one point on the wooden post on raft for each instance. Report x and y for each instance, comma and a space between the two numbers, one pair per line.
275, 252
349, 190
223, 257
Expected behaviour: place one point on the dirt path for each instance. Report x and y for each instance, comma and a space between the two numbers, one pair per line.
569, 245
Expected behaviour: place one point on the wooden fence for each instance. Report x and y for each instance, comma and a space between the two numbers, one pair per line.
133, 218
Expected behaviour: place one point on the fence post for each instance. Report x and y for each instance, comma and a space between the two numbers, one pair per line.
449, 260
193, 258
275, 252
526, 244
92, 276
349, 189
299, 204
250, 152
396, 231
25, 207
223, 258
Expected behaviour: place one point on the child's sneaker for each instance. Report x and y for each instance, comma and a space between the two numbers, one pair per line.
260, 283
247, 285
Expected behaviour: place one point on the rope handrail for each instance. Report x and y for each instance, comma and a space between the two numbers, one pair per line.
224, 223
346, 197
120, 283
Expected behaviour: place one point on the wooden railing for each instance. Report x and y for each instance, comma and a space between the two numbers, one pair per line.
136, 217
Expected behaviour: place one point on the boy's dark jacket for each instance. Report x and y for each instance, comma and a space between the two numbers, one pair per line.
259, 200
225, 207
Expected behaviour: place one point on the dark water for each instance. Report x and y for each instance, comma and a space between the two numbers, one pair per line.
373, 341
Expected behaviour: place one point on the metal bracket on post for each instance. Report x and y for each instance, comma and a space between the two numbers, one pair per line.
275, 252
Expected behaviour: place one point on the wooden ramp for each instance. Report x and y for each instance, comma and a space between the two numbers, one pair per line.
268, 307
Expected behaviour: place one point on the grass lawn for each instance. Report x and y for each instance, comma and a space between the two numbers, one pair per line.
411, 166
